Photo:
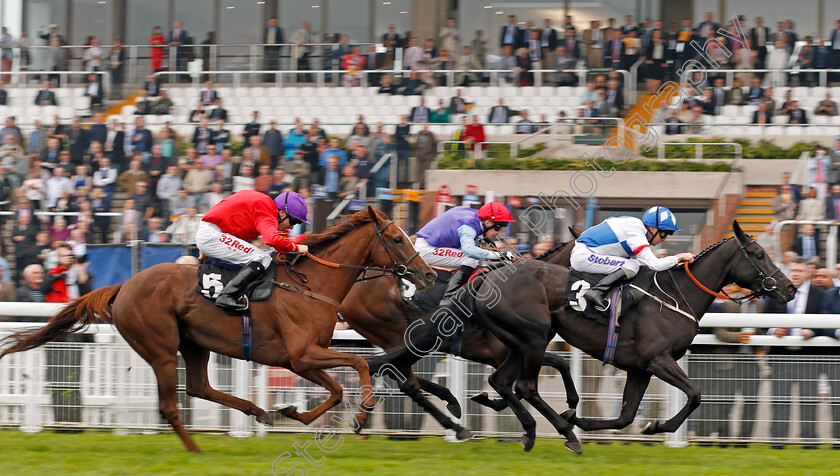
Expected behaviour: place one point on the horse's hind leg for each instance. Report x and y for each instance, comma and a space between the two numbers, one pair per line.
502, 381
634, 390
161, 352
195, 359
549, 360
667, 369
526, 386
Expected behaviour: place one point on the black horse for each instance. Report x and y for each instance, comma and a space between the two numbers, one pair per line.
532, 309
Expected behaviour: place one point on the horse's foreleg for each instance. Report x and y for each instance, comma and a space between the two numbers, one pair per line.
559, 363
411, 387
320, 358
667, 369
634, 390
442, 393
321, 378
195, 359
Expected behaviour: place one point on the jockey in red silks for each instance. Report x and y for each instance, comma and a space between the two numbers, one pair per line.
227, 228
449, 241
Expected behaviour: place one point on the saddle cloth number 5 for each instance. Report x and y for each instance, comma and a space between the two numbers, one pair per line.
211, 284
580, 288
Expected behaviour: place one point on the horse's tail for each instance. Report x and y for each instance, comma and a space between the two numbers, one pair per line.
71, 319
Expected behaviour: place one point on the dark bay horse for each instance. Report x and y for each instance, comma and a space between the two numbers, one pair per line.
377, 311
159, 313
651, 340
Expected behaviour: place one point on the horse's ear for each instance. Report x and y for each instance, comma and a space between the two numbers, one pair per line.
739, 232
372, 213
574, 231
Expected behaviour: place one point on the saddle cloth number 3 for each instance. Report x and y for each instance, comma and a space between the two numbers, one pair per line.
580, 288
211, 285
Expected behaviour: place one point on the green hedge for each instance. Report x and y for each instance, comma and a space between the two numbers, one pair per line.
763, 149
454, 160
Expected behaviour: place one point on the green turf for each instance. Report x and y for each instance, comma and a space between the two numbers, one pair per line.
101, 453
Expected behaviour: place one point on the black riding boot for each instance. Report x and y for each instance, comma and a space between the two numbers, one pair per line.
229, 297
455, 282
598, 293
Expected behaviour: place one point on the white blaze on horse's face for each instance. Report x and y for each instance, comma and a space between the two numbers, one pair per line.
408, 240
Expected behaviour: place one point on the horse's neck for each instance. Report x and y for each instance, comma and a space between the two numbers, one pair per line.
713, 271
336, 283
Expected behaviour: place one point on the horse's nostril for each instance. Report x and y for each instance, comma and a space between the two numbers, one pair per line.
430, 276
792, 289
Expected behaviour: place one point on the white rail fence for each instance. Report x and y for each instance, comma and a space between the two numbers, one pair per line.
98, 381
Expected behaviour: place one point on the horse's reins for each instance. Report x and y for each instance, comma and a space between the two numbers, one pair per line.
400, 270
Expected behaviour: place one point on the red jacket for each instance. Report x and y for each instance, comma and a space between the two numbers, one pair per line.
248, 214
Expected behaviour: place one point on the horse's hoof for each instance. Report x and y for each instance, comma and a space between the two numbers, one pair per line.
454, 409
360, 423
527, 443
460, 436
574, 446
569, 415
287, 410
266, 419
480, 397
650, 428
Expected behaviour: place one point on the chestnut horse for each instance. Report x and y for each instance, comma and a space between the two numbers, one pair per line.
159, 313
377, 311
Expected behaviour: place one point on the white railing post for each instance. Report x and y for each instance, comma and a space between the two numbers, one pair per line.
674, 402
576, 367
32, 410
240, 422
458, 377
262, 394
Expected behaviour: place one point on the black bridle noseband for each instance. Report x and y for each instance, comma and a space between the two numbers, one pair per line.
767, 285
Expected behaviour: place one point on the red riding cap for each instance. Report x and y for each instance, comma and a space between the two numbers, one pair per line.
495, 211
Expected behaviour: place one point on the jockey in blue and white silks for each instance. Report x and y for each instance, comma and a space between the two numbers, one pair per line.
448, 241
618, 245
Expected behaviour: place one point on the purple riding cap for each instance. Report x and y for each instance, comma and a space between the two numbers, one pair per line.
293, 204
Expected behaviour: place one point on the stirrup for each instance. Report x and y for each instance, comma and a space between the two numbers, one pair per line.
603, 309
240, 308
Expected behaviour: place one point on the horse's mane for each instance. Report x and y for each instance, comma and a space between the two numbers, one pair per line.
317, 242
709, 249
548, 252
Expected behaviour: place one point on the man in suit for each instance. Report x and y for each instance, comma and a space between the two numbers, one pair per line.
510, 35
672, 124
613, 50
259, 152
834, 49
374, 62
808, 300
501, 114
218, 113
718, 93
548, 41
301, 39
457, 104
45, 96
52, 33
177, 38
152, 85
759, 36
94, 91
834, 166
273, 139
628, 25
708, 28
564, 61
826, 107
98, 130
571, 43
252, 128
614, 96
796, 114
420, 114
466, 61
79, 141
208, 95
763, 115
391, 41
756, 92
272, 35
807, 243
593, 38
57, 58
832, 202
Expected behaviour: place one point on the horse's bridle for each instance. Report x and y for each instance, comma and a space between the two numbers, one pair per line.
400, 270
767, 285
